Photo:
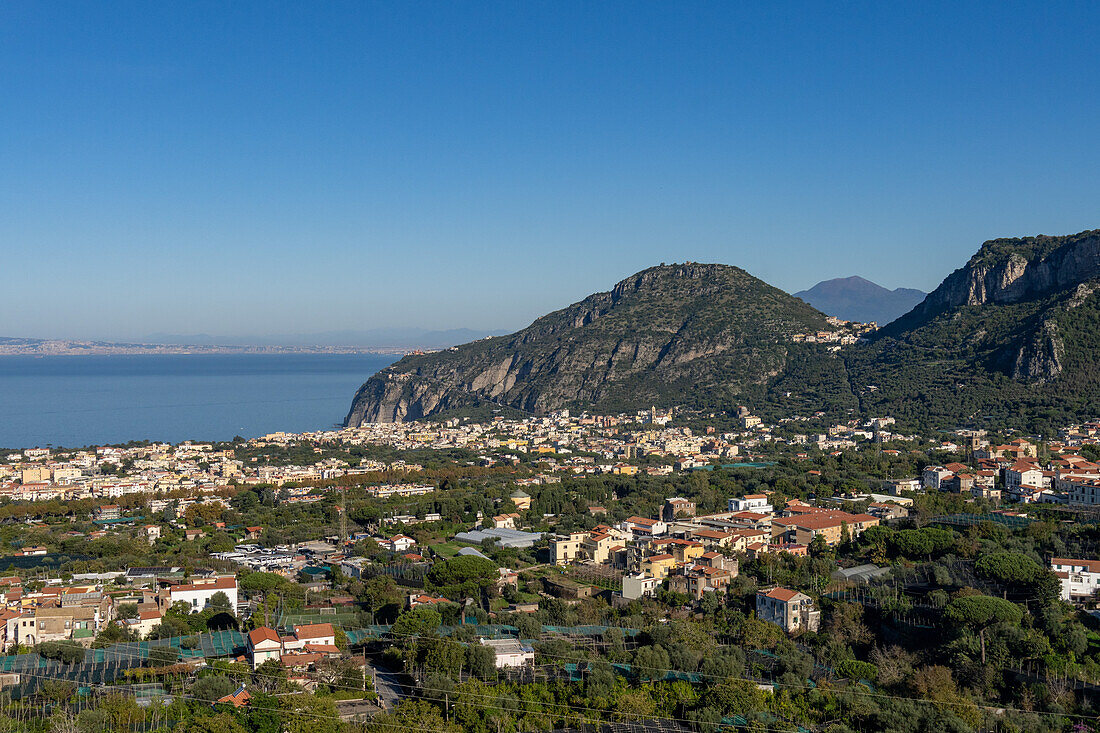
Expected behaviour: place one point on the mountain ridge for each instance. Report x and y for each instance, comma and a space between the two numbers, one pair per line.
682, 329
1011, 339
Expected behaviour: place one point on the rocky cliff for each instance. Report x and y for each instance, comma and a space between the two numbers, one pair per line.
1013, 336
1008, 271
1010, 339
688, 334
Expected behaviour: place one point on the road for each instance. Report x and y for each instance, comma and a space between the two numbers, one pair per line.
387, 684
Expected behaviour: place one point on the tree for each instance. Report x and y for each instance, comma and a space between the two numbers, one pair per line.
219, 723
854, 669
220, 603
651, 662
463, 575
481, 661
270, 676
419, 621
981, 612
310, 714
1020, 572
66, 651
212, 687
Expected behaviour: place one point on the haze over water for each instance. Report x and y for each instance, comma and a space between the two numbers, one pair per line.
86, 400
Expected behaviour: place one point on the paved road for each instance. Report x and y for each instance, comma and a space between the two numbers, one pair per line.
387, 684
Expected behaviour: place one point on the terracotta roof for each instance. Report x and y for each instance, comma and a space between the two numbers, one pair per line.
1092, 566
782, 594
262, 634
237, 698
314, 631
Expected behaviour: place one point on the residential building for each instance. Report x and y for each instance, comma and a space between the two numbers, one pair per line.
1080, 578
638, 585
510, 653
263, 644
757, 503
788, 609
197, 594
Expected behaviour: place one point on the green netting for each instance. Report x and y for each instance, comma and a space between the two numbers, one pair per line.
968, 520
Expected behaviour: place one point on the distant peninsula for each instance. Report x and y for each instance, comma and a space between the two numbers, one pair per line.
10, 346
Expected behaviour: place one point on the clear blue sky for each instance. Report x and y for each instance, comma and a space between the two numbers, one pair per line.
239, 168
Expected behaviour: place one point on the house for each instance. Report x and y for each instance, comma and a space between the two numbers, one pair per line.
699, 579
54, 624
641, 527
149, 617
263, 644
510, 653
677, 507
788, 609
198, 593
713, 538
685, 550
658, 565
397, 543
505, 521
639, 585
521, 500
933, 476
886, 511
237, 698
751, 503
108, 511
253, 533
831, 526
1080, 578
152, 533
597, 545
1023, 473
316, 634
566, 549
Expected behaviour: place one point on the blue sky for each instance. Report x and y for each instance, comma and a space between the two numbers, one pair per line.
239, 168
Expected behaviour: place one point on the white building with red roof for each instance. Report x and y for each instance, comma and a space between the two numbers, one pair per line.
788, 609
1080, 578
263, 644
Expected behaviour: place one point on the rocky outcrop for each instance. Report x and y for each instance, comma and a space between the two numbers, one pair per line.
1008, 271
677, 333
1039, 358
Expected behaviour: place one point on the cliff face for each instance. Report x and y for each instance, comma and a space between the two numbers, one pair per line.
1014, 293
1010, 271
1011, 338
679, 333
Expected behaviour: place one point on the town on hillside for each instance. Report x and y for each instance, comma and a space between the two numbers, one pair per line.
370, 566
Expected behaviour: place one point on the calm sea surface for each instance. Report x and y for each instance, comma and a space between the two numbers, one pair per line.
86, 400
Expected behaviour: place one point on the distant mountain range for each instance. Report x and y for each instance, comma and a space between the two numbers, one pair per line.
856, 299
1011, 339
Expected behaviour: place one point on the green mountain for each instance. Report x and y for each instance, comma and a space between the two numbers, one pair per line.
1012, 338
690, 334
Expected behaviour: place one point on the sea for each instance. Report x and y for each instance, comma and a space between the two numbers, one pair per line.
76, 401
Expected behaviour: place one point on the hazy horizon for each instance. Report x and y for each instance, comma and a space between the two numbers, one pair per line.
277, 169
